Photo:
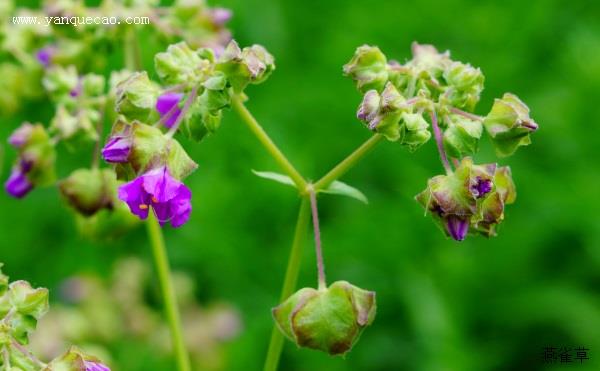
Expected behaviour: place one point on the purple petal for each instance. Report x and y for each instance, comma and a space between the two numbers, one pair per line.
165, 103
95, 366
44, 55
134, 195
457, 227
17, 184
481, 187
182, 207
117, 149
220, 16
21, 135
162, 186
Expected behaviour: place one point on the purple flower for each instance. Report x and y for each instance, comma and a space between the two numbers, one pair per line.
168, 103
457, 227
21, 135
95, 366
169, 198
481, 187
44, 55
220, 16
117, 149
17, 184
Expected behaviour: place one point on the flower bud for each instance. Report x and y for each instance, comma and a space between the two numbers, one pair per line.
107, 225
182, 65
382, 112
75, 360
509, 124
92, 85
330, 320
461, 137
27, 306
44, 55
89, 190
472, 198
465, 85
428, 62
136, 97
35, 163
60, 81
368, 68
251, 65
118, 148
415, 131
151, 148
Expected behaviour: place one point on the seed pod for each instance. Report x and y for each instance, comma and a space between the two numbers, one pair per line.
330, 320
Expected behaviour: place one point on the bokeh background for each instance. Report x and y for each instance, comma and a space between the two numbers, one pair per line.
483, 304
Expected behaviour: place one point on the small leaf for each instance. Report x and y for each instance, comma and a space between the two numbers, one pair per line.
343, 189
280, 178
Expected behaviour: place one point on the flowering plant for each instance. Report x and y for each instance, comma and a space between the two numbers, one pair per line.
199, 80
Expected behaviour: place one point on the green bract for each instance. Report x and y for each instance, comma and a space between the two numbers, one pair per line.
461, 137
182, 65
136, 97
368, 68
330, 320
251, 65
89, 190
509, 124
38, 152
473, 194
152, 148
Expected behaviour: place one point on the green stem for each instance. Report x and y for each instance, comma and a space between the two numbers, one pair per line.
269, 145
131, 49
347, 163
166, 286
289, 283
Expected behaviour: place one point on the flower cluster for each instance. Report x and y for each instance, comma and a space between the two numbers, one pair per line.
35, 162
21, 306
403, 102
198, 86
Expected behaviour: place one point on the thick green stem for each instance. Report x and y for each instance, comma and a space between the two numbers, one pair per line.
269, 145
289, 283
347, 163
166, 286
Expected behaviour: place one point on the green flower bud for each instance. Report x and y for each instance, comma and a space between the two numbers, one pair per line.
89, 190
465, 85
368, 68
204, 116
136, 97
59, 82
414, 131
330, 320
37, 154
182, 65
81, 126
427, 62
75, 360
3, 285
509, 124
92, 85
491, 209
382, 113
461, 137
251, 65
27, 300
151, 149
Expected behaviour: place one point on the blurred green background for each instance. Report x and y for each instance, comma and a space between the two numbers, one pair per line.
478, 305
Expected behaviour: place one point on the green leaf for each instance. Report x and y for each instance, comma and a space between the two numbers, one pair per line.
343, 189
279, 178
